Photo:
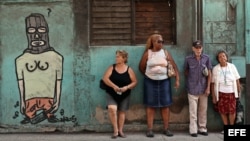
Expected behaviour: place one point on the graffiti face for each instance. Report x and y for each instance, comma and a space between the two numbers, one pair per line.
37, 33
36, 36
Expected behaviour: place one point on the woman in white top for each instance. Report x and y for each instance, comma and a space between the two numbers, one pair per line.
157, 86
225, 87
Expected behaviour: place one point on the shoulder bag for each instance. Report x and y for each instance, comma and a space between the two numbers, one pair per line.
170, 68
102, 85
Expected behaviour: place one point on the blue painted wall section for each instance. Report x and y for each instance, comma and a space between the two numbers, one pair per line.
82, 103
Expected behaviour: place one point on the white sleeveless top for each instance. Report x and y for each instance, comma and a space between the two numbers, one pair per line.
156, 65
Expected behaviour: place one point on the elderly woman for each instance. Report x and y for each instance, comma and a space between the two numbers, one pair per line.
225, 87
120, 79
157, 86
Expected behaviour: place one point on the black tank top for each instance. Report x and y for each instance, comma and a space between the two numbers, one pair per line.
120, 79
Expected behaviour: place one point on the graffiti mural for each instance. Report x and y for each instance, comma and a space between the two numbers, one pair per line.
39, 73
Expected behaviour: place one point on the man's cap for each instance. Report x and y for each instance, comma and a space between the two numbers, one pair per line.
197, 43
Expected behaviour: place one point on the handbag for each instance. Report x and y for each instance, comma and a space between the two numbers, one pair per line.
171, 71
170, 68
102, 85
239, 118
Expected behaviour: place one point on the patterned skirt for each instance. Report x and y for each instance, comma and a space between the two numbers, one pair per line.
226, 103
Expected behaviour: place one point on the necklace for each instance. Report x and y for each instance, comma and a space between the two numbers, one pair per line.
224, 74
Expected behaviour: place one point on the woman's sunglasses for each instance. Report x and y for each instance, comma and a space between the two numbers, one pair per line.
160, 42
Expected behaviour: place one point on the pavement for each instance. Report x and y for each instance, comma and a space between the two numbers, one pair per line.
131, 136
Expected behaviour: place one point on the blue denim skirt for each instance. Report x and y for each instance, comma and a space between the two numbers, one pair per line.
157, 93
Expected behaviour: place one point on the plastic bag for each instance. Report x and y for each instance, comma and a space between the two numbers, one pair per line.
239, 119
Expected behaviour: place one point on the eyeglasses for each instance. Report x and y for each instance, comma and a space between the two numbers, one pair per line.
160, 42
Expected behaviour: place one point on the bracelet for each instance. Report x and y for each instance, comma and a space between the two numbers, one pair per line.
127, 87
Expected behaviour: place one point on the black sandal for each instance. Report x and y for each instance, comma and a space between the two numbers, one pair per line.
114, 136
122, 135
150, 133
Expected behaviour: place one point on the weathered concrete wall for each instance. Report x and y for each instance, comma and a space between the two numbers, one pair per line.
82, 102
247, 46
224, 29
13, 43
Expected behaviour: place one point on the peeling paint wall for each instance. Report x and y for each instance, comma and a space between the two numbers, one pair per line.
82, 103
224, 29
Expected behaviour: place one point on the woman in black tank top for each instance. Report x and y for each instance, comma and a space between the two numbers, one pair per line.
120, 79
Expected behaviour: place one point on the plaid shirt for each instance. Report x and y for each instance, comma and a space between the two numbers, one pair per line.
196, 82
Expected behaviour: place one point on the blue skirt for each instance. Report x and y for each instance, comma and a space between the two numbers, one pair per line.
157, 93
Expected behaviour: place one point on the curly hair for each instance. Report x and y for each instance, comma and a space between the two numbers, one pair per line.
219, 52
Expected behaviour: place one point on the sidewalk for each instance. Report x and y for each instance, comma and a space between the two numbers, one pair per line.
131, 136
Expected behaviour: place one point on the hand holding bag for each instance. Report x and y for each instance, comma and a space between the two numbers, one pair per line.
170, 68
